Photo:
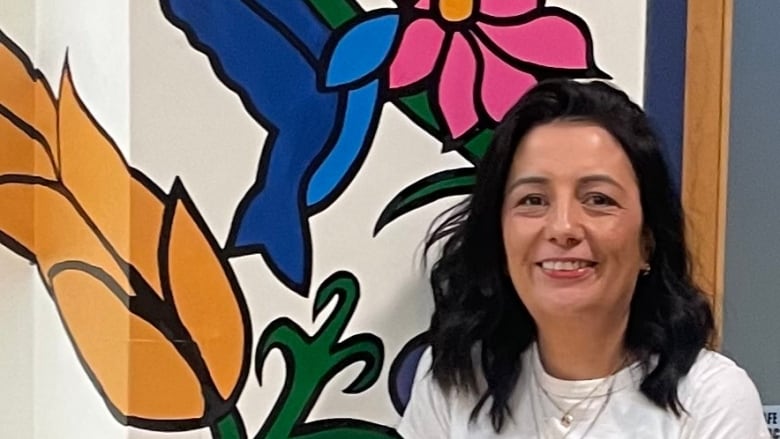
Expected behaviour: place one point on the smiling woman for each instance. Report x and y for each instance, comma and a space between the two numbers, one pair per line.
565, 305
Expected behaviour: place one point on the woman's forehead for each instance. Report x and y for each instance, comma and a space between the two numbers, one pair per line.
570, 150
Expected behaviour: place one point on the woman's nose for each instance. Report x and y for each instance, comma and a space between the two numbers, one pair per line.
564, 225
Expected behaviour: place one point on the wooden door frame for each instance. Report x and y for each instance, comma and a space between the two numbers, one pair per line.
705, 142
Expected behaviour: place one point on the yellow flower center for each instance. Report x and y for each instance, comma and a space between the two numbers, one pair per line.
456, 10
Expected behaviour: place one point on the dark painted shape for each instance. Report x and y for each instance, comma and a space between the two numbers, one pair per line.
665, 76
403, 370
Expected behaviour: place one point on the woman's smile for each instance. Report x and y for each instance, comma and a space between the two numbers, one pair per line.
567, 269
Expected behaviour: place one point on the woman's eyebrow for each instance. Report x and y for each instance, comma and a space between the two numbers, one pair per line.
531, 179
599, 178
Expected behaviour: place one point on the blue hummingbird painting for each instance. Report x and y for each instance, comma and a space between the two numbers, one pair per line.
317, 93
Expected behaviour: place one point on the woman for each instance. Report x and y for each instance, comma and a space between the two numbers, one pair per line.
564, 304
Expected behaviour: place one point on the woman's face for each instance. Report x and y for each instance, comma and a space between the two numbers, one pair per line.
572, 222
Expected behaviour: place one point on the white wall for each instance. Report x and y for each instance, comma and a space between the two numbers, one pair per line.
18, 284
160, 101
45, 391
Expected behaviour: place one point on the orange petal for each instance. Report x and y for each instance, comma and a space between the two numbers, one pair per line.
40, 219
25, 93
205, 294
21, 154
146, 213
17, 204
93, 170
126, 213
138, 370
62, 234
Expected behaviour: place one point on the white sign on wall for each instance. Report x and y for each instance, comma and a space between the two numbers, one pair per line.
772, 417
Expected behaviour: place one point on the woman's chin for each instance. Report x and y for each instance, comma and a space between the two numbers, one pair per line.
571, 301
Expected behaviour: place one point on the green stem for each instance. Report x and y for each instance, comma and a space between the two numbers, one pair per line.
231, 426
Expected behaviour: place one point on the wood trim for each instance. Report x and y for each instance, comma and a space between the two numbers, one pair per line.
705, 142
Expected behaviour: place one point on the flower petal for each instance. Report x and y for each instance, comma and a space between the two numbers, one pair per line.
22, 154
17, 223
507, 8
25, 93
417, 53
456, 87
423, 4
95, 172
140, 372
551, 41
205, 299
45, 224
502, 85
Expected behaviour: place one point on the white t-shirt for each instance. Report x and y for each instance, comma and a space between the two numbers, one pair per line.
721, 400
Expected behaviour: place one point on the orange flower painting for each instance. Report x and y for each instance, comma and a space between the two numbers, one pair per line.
149, 301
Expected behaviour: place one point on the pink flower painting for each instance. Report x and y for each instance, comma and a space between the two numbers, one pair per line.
477, 57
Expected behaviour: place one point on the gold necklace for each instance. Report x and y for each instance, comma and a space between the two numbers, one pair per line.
603, 406
601, 410
567, 418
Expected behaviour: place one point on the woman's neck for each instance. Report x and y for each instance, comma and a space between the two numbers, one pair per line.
581, 350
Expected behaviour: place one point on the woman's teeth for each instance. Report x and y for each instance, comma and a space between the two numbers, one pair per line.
565, 265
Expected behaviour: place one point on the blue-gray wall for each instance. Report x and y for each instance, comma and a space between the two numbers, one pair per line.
752, 295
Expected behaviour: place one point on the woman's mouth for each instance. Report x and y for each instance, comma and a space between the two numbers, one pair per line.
567, 269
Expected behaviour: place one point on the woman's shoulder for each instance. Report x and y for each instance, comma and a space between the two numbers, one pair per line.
716, 383
720, 399
712, 368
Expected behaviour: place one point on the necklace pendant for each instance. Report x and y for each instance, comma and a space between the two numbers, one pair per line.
567, 419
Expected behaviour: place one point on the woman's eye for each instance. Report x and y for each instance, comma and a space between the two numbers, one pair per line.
531, 200
599, 200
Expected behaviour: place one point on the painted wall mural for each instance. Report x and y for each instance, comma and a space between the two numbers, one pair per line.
145, 291
453, 69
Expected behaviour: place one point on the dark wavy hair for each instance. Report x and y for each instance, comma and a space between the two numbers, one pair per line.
476, 304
